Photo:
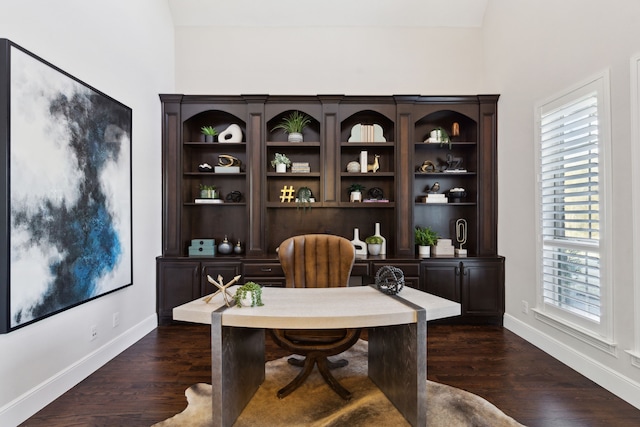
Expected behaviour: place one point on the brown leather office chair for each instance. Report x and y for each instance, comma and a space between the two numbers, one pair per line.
316, 261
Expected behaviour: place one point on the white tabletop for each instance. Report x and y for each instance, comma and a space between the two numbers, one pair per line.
321, 308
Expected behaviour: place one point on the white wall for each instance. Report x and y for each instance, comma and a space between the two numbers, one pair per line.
126, 50
328, 60
533, 50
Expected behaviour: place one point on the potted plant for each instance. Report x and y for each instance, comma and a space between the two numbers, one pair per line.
209, 132
249, 295
425, 237
355, 192
208, 191
293, 125
281, 162
374, 244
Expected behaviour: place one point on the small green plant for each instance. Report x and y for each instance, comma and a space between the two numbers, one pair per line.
280, 159
444, 137
207, 187
303, 198
208, 130
356, 187
373, 240
249, 287
293, 123
425, 236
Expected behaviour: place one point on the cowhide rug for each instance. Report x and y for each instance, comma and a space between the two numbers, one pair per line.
315, 404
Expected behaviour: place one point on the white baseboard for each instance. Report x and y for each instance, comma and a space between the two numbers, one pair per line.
26, 405
618, 384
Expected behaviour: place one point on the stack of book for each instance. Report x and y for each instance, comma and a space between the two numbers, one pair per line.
444, 247
300, 167
436, 198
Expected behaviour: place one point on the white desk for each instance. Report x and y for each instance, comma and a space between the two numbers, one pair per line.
397, 339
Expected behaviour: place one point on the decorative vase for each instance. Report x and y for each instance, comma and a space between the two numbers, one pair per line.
374, 248
281, 168
295, 137
424, 251
225, 246
237, 248
208, 138
361, 247
247, 301
355, 196
383, 245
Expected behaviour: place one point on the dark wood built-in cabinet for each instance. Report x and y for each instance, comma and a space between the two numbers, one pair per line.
260, 221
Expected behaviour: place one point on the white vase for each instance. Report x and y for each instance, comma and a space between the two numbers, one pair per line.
247, 301
355, 196
281, 168
361, 247
374, 248
383, 245
295, 137
424, 251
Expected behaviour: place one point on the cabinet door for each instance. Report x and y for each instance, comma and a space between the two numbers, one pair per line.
482, 287
177, 282
442, 278
228, 270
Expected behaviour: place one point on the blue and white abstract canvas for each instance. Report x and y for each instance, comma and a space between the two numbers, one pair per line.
70, 191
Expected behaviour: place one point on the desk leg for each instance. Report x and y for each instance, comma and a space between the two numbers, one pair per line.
237, 369
398, 366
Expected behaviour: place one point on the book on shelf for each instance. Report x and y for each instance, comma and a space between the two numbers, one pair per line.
375, 201
209, 201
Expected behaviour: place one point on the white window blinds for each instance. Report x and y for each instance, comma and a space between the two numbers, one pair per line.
570, 205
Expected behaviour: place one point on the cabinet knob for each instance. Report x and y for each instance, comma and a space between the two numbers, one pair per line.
266, 269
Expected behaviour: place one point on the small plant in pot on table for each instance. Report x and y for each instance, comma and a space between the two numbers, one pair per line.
355, 192
209, 132
249, 295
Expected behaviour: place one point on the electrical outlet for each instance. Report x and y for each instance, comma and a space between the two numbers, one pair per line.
525, 307
116, 319
94, 333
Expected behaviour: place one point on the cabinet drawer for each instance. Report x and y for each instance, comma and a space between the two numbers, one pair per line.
360, 269
410, 269
267, 269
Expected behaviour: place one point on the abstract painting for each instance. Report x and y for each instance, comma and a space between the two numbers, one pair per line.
66, 219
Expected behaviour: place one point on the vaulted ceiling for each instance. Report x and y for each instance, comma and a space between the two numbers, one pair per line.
328, 13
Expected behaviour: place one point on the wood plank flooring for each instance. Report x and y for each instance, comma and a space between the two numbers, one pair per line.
146, 383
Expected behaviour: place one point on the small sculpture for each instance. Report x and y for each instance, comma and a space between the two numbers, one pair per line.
390, 280
376, 164
205, 167
227, 160
434, 188
234, 196
231, 134
427, 166
221, 289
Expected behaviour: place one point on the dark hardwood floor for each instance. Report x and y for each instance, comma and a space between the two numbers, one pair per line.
146, 383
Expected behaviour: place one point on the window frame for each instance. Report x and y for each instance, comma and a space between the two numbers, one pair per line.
579, 326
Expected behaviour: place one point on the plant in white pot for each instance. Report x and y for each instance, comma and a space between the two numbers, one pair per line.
209, 132
425, 237
249, 295
293, 125
374, 244
281, 162
355, 192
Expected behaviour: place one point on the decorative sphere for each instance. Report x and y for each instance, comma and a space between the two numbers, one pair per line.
353, 167
390, 280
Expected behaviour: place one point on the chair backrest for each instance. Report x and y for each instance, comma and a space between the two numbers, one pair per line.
316, 261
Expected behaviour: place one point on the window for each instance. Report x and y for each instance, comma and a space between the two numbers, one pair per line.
573, 144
